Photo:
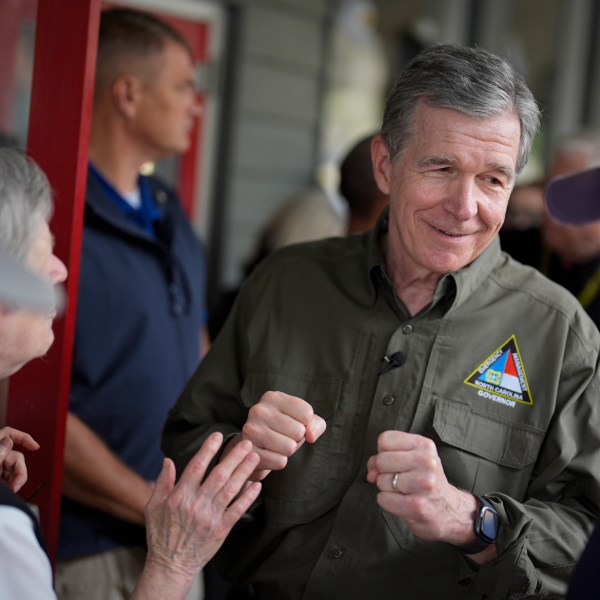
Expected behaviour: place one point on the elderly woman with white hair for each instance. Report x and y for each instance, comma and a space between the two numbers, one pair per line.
186, 523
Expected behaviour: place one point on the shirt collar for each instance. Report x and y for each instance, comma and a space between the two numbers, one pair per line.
461, 283
145, 215
375, 259
469, 278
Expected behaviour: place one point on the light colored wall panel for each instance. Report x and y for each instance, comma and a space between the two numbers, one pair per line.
274, 118
283, 36
320, 7
255, 202
261, 197
277, 92
566, 110
242, 240
269, 147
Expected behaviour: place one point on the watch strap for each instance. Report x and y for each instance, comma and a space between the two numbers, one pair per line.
478, 544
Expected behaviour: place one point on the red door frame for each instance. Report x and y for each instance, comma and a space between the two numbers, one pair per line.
196, 34
59, 126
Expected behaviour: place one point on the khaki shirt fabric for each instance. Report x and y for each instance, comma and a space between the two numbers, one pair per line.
315, 321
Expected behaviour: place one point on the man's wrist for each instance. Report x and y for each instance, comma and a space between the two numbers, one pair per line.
485, 527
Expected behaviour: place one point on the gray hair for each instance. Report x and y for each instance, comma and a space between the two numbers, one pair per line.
469, 80
25, 203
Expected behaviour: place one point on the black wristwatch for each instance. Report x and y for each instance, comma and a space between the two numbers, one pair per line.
487, 522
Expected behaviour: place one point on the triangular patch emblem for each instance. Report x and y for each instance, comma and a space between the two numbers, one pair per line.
502, 374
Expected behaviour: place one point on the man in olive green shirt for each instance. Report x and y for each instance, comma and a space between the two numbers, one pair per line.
426, 409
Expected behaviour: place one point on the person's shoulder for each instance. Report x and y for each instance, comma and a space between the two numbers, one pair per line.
26, 570
312, 268
326, 257
327, 250
514, 275
546, 295
15, 517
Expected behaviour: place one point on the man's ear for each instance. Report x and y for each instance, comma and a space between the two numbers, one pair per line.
382, 164
126, 92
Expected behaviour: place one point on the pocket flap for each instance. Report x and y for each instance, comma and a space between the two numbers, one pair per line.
501, 441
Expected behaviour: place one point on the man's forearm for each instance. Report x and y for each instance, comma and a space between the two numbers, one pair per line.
94, 476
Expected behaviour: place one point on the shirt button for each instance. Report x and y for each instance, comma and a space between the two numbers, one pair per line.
408, 328
336, 553
389, 400
177, 309
173, 289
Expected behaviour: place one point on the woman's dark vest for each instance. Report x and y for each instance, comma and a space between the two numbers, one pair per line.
9, 498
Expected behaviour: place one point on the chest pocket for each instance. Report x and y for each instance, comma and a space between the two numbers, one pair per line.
483, 452
314, 479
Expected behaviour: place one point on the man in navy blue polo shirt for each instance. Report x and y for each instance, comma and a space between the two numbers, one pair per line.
141, 311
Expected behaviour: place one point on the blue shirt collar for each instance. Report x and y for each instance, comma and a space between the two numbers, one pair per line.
145, 215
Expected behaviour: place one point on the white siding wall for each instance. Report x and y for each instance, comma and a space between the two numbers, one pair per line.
274, 123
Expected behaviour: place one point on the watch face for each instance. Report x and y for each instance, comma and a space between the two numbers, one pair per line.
488, 525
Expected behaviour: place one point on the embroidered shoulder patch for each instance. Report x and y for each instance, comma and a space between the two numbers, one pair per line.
502, 376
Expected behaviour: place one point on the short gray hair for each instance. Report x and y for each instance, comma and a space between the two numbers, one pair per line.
130, 33
469, 80
25, 203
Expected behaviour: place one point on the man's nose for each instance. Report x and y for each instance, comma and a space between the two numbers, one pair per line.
462, 199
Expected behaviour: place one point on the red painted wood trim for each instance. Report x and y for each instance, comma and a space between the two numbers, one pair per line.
188, 181
59, 126
189, 166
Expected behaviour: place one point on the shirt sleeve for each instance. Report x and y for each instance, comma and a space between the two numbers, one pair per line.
25, 570
542, 537
211, 399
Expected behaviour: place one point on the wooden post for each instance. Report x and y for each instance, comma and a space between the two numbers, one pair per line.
59, 128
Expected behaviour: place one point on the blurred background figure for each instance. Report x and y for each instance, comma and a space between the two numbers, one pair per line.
571, 253
314, 214
357, 76
141, 305
526, 206
309, 215
575, 200
359, 189
520, 235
